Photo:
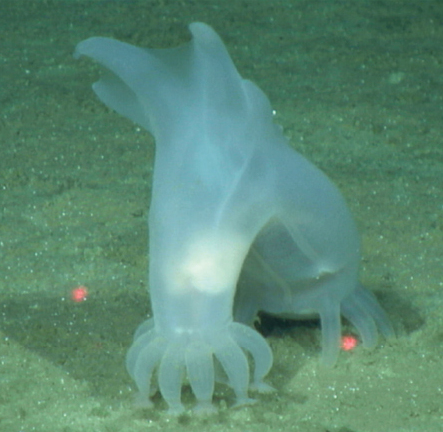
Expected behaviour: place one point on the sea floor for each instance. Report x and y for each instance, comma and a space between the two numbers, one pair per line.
357, 87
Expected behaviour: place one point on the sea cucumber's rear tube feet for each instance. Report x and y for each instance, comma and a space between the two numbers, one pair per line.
362, 309
331, 331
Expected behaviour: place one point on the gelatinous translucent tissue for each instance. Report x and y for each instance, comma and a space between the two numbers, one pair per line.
230, 200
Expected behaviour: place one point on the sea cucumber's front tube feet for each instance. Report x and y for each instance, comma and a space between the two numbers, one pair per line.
142, 359
251, 341
235, 364
177, 356
200, 367
170, 376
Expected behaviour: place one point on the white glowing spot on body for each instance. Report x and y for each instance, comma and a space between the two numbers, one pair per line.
211, 265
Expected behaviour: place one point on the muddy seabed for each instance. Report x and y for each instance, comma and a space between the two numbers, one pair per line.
357, 87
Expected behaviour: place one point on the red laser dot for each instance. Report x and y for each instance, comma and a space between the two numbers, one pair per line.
79, 294
348, 343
